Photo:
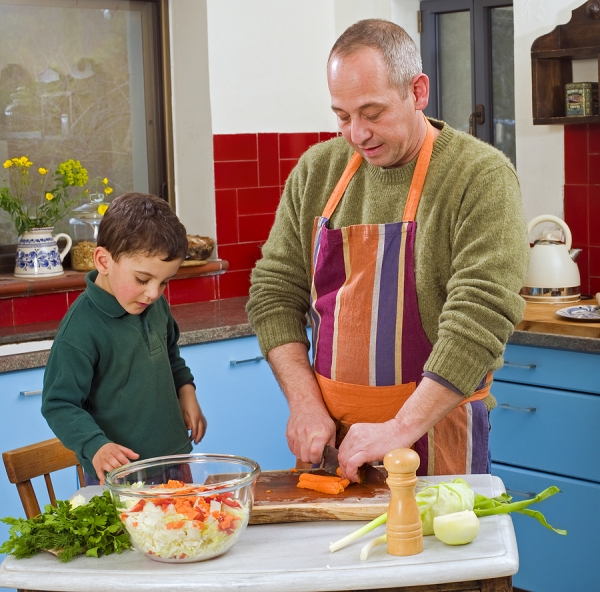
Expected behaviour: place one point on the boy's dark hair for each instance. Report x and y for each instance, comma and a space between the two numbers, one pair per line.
139, 223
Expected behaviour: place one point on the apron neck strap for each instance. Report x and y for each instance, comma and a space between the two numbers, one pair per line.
416, 185
418, 180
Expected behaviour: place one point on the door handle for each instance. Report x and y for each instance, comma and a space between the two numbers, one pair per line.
523, 409
524, 366
30, 393
478, 117
236, 362
526, 494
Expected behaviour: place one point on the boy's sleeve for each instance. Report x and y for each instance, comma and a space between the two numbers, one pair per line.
181, 373
67, 379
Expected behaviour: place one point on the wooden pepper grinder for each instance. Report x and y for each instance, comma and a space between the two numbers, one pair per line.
404, 529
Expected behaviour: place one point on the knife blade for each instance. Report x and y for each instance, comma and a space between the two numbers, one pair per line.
366, 473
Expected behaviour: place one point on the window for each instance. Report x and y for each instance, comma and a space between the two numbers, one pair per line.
84, 80
468, 54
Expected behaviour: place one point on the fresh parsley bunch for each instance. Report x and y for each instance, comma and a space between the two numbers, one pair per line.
92, 529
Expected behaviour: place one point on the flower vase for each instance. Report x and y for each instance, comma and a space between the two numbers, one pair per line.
38, 255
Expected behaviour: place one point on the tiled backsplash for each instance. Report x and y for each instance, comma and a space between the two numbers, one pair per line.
582, 199
250, 172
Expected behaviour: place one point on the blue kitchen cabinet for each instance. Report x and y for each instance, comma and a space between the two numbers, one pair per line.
22, 423
545, 432
246, 411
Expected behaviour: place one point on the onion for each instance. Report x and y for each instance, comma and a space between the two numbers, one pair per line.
458, 528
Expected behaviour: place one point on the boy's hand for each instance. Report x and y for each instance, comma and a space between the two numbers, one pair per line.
109, 457
192, 414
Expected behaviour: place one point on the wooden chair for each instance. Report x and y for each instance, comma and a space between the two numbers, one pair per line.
42, 458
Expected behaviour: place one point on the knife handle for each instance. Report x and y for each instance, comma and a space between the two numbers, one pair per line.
404, 528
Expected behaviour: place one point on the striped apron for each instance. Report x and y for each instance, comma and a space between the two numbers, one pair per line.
369, 346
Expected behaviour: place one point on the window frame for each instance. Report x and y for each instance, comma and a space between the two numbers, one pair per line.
481, 54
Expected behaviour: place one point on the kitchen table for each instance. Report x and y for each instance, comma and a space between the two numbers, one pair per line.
293, 557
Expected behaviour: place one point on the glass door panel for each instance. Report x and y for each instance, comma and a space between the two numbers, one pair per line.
503, 80
454, 69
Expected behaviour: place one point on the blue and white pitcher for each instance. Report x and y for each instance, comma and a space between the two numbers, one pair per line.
38, 254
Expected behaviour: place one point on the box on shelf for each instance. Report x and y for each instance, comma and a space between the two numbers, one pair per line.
581, 98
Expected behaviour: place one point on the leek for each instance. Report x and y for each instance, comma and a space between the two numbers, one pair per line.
481, 505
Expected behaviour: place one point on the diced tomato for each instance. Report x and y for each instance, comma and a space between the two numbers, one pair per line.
139, 506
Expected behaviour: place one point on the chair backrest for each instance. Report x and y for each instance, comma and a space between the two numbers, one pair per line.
42, 458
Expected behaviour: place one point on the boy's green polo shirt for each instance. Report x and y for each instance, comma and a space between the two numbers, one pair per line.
114, 377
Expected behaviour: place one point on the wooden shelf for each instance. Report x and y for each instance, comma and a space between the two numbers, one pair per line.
551, 64
573, 120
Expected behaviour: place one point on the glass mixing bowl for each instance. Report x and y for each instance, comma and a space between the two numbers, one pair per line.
187, 507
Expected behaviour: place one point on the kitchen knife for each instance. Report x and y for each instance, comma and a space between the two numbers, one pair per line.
366, 473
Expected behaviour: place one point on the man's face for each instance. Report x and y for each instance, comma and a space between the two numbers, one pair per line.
135, 281
386, 129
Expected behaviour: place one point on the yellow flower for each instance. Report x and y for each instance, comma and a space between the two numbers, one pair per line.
49, 196
42, 171
108, 190
102, 209
105, 180
7, 164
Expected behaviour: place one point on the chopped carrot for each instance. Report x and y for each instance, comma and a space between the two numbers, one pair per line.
338, 472
294, 470
333, 487
176, 524
320, 478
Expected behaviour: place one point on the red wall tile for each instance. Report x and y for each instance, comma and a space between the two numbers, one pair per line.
6, 312
295, 145
185, 291
259, 200
576, 213
285, 168
37, 309
231, 175
242, 256
324, 136
255, 228
234, 284
235, 147
227, 216
268, 159
576, 162
594, 215
595, 261
594, 138
594, 169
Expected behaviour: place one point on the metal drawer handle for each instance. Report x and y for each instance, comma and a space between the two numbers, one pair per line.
523, 409
256, 359
30, 393
524, 366
527, 494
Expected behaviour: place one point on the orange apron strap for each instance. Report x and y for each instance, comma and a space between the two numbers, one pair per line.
339, 189
482, 393
418, 180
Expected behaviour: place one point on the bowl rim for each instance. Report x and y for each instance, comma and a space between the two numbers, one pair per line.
221, 487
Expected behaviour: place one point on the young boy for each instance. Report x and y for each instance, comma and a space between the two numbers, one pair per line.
115, 387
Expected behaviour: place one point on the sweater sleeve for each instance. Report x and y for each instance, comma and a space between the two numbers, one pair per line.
66, 390
181, 373
280, 290
490, 256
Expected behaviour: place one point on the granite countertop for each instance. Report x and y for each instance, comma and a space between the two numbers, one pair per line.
203, 322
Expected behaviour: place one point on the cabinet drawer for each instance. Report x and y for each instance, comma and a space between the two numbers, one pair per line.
556, 368
549, 562
546, 429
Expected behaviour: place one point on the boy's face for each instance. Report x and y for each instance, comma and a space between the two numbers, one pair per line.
135, 281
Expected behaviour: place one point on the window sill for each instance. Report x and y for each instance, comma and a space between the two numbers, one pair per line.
14, 287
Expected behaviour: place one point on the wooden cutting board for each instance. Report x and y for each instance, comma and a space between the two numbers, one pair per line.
277, 499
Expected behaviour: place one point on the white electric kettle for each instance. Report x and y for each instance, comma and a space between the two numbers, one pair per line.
553, 275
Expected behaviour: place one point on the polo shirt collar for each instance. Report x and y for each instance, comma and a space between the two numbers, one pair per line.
106, 302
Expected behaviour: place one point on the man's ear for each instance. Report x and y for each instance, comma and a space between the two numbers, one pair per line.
102, 260
419, 87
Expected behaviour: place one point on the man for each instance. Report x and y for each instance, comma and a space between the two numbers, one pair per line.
406, 241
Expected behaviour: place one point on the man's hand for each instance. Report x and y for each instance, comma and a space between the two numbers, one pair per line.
368, 442
309, 427
111, 456
193, 417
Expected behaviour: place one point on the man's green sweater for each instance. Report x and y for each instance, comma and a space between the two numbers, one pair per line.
114, 377
471, 248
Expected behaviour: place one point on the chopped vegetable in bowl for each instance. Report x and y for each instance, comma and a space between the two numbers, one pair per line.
176, 521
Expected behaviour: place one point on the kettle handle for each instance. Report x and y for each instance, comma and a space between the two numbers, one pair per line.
557, 221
